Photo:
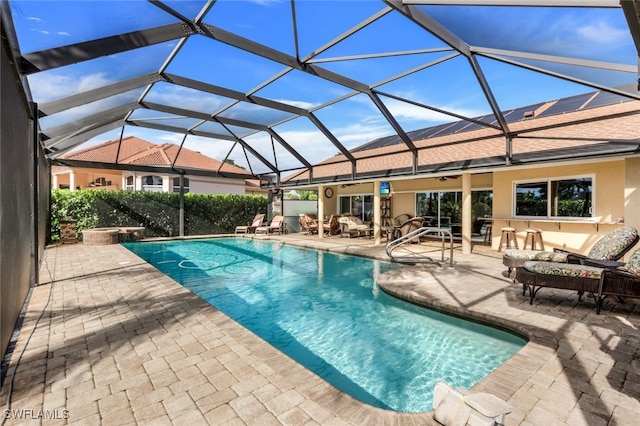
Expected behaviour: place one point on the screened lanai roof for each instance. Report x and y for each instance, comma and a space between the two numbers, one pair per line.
280, 86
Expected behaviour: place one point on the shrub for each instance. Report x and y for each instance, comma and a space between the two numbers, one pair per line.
158, 212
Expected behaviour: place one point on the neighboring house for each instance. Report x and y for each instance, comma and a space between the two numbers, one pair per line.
574, 172
89, 168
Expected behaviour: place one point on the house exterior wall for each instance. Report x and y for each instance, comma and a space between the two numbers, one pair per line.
615, 187
83, 178
227, 186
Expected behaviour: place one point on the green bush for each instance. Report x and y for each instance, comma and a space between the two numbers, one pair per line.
158, 212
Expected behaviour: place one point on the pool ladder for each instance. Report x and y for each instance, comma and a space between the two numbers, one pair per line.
414, 256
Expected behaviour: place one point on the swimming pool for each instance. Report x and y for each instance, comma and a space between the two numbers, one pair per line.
325, 311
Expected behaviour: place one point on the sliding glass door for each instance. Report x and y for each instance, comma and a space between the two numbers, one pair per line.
360, 206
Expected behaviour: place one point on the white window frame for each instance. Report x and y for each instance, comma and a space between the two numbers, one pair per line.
152, 188
128, 187
548, 181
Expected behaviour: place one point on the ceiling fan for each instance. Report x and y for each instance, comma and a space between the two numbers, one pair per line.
445, 178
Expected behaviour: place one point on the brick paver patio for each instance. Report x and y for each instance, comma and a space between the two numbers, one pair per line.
117, 342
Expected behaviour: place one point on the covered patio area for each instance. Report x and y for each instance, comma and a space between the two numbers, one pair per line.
106, 338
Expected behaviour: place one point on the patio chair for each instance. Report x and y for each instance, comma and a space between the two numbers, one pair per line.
612, 246
275, 227
409, 226
308, 223
397, 222
251, 227
333, 226
351, 226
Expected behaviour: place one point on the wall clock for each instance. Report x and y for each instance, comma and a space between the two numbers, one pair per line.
328, 192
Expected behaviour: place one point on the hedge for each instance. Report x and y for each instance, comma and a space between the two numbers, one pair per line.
158, 212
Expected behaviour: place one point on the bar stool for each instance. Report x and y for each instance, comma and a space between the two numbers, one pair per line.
508, 236
488, 230
535, 235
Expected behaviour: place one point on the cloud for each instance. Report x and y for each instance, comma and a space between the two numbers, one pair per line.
169, 94
299, 104
602, 33
49, 86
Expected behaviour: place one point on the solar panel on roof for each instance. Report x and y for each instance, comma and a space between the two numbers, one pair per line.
454, 127
378, 143
570, 104
475, 126
606, 98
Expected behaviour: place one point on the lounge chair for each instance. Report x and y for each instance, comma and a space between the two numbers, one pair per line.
333, 226
601, 278
611, 246
251, 227
275, 227
308, 223
619, 281
351, 226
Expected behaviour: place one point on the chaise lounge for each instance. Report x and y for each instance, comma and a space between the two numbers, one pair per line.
612, 246
275, 227
251, 227
598, 277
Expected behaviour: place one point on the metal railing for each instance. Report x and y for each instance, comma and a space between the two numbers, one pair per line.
416, 256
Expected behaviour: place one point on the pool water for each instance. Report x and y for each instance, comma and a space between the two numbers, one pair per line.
325, 311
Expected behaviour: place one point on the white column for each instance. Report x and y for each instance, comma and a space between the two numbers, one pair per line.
466, 213
54, 181
377, 230
72, 181
321, 211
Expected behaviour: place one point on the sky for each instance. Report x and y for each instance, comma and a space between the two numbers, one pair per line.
439, 79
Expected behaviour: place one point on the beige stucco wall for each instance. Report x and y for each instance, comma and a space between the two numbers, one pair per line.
610, 180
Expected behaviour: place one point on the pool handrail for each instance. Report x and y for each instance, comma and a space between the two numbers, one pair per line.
414, 236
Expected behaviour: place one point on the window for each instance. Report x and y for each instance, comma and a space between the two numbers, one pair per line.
358, 205
176, 184
130, 183
570, 197
152, 183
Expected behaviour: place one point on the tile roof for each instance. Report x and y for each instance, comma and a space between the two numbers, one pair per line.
581, 130
136, 151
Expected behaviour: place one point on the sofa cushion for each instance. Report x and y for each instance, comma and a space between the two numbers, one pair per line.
548, 256
633, 265
612, 245
563, 269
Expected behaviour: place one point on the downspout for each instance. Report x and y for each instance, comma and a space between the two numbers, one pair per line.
35, 265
